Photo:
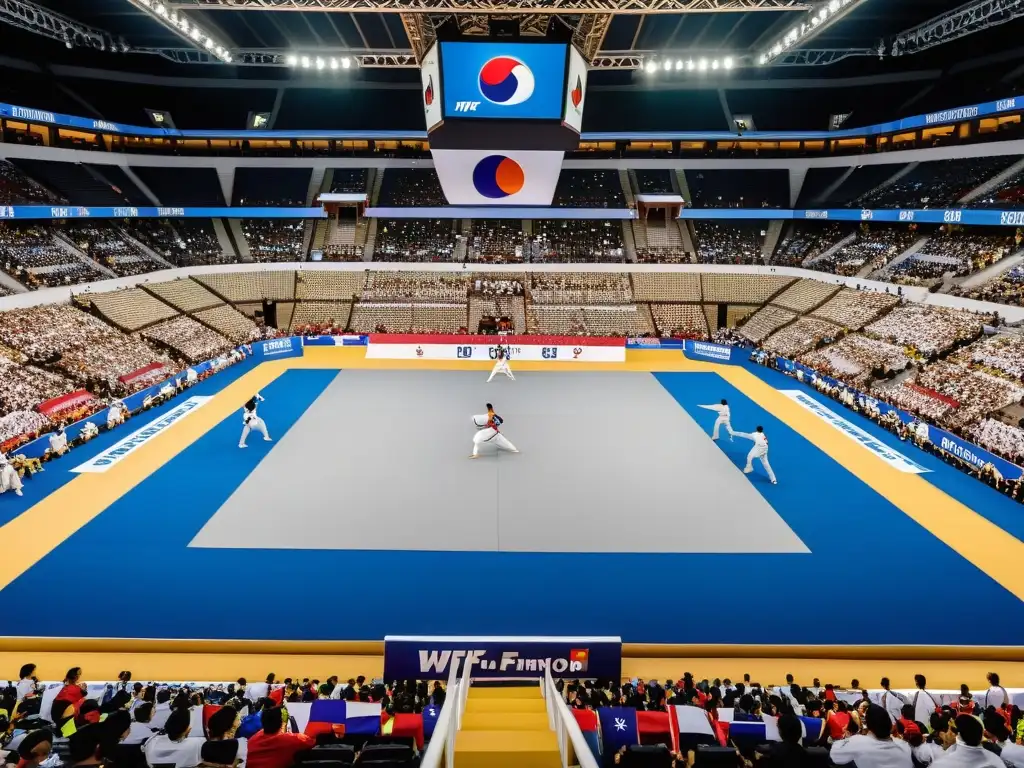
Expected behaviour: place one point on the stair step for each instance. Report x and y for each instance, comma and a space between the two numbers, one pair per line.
504, 721
504, 705
505, 692
506, 749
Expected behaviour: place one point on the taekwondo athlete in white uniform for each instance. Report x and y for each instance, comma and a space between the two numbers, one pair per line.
252, 422
488, 434
759, 451
722, 420
500, 364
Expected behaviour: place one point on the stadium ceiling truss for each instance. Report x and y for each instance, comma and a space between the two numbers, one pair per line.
960, 22
518, 7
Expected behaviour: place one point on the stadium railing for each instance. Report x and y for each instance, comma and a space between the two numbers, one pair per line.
442, 744
566, 729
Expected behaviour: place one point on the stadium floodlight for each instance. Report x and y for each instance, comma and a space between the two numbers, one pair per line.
689, 65
728, 62
702, 65
293, 60
175, 20
334, 63
667, 65
346, 62
714, 64
827, 12
679, 64
320, 63
305, 62
651, 66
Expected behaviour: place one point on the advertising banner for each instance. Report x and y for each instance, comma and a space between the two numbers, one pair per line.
154, 212
483, 352
430, 77
289, 346
342, 340
706, 350
575, 90
506, 81
491, 177
651, 342
429, 658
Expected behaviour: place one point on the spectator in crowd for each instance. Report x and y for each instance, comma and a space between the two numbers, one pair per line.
34, 749
1010, 753
222, 748
925, 704
968, 751
71, 696
26, 681
141, 728
876, 748
162, 710
788, 753
273, 747
996, 696
173, 746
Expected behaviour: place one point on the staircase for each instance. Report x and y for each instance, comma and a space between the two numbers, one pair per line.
628, 241
62, 240
886, 269
829, 251
378, 178
994, 183
771, 239
506, 728
371, 237
681, 186
240, 241
143, 247
627, 187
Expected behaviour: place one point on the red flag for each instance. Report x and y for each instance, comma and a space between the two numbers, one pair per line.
586, 719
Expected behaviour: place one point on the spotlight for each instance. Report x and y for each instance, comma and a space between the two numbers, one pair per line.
148, 3
320, 63
196, 33
679, 64
667, 65
777, 49
292, 60
714, 64
651, 66
227, 57
346, 62
728, 62
763, 59
702, 65
305, 62
334, 63
208, 43
689, 65
833, 6
161, 9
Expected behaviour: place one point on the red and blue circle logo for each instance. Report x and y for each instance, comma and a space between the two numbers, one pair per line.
497, 176
506, 81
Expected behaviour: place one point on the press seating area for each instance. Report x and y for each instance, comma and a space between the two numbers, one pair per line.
853, 309
188, 338
680, 320
130, 309
801, 336
804, 295
229, 322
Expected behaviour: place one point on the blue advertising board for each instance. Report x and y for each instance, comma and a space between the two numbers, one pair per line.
430, 658
706, 350
507, 81
154, 212
943, 117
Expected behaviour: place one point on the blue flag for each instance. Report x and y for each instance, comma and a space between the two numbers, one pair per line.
430, 715
618, 728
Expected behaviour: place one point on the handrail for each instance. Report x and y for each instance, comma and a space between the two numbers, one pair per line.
566, 729
442, 742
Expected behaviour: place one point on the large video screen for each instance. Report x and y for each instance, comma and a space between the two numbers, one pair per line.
503, 80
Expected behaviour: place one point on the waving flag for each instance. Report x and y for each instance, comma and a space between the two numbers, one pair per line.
343, 717
430, 715
586, 719
618, 728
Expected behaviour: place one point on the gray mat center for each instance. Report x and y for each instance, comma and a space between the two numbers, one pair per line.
609, 462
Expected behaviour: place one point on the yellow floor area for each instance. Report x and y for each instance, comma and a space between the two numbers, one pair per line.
35, 533
506, 728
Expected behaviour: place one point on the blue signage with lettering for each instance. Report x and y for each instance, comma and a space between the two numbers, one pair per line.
430, 658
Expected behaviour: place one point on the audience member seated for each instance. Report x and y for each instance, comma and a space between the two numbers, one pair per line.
414, 240
274, 239
18, 189
936, 184
927, 331
806, 333
188, 338
1007, 288
682, 321
581, 288
852, 309
1009, 194
807, 241
589, 189
411, 188
857, 359
34, 257
870, 251
349, 181
1002, 355
765, 322
498, 240
654, 182
736, 242
739, 189
575, 241
415, 286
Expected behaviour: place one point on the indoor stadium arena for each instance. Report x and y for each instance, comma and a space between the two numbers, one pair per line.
511, 383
